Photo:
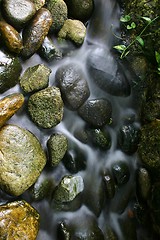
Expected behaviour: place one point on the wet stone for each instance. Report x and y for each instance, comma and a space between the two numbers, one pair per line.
121, 172
49, 50
73, 85
22, 159
59, 12
96, 112
143, 183
128, 138
46, 107
9, 105
10, 69
11, 37
18, 220
35, 78
154, 203
57, 147
18, 12
106, 73
35, 32
80, 9
109, 186
73, 30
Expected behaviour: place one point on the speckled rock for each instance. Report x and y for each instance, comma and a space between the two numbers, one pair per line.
35, 32
38, 3
96, 112
18, 220
46, 107
57, 147
35, 78
9, 106
73, 85
22, 159
18, 12
59, 11
10, 69
80, 9
11, 37
73, 30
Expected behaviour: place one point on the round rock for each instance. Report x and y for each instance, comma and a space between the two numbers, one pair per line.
96, 112
18, 12
46, 107
22, 159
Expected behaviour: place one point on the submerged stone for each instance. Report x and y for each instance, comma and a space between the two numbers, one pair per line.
11, 37
106, 73
96, 112
22, 159
46, 107
10, 69
80, 9
35, 78
57, 147
73, 30
59, 11
9, 106
35, 32
73, 85
18, 220
18, 12
143, 183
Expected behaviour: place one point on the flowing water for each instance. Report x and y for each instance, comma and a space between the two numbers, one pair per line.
104, 21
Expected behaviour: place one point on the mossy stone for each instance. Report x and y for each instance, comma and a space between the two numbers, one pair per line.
46, 107
22, 159
35, 78
38, 3
10, 70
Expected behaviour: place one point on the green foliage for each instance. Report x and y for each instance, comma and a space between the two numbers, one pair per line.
157, 56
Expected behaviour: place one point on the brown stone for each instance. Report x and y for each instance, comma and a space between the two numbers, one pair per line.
18, 220
9, 106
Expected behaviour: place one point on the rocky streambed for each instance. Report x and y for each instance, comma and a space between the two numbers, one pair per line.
79, 128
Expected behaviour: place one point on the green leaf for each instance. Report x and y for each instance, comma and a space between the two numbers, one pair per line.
157, 55
120, 47
133, 25
140, 40
147, 19
125, 18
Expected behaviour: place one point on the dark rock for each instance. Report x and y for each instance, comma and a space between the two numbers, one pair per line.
96, 112
106, 73
35, 32
121, 172
128, 228
143, 183
18, 12
73, 85
10, 69
46, 107
155, 208
109, 186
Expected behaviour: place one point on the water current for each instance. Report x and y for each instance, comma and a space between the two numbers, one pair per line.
99, 38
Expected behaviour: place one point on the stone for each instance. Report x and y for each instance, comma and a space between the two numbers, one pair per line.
9, 105
49, 51
80, 9
35, 78
34, 34
96, 112
109, 185
57, 147
73, 85
22, 159
18, 220
46, 107
11, 37
18, 12
106, 73
38, 3
143, 183
73, 30
59, 11
121, 172
10, 69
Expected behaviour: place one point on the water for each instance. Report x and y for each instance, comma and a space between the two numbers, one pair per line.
104, 21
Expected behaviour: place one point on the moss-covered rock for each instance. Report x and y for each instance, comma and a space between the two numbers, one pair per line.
10, 69
38, 3
46, 107
18, 220
22, 159
35, 78
9, 106
73, 30
59, 11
